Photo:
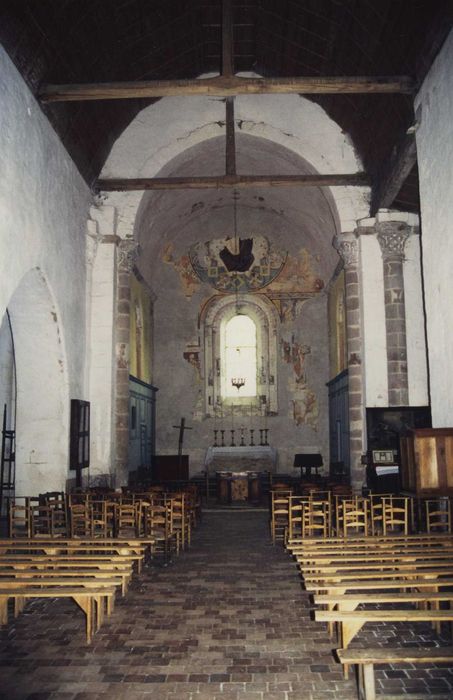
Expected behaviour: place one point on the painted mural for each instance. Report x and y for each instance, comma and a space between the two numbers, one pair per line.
243, 265
337, 326
298, 275
305, 410
140, 332
189, 280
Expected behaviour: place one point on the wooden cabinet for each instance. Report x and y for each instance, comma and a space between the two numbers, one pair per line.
427, 461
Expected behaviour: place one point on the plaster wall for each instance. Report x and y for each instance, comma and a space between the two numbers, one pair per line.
157, 135
101, 374
415, 324
301, 423
6, 373
434, 109
43, 212
374, 332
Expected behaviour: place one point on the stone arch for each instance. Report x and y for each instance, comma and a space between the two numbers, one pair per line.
221, 309
155, 137
42, 423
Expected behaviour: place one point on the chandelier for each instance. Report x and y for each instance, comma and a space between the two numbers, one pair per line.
238, 382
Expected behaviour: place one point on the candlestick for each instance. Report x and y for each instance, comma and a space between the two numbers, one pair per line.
242, 436
232, 438
251, 437
266, 430
261, 437
215, 438
222, 438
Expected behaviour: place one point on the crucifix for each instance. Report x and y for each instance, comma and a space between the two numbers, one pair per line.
182, 427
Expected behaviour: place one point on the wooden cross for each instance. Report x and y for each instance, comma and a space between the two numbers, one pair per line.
182, 427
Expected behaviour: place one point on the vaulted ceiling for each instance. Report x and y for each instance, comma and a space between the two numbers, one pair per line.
81, 41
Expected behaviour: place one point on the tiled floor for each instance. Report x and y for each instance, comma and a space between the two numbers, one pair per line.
226, 620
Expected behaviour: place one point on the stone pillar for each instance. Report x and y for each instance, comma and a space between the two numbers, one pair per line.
392, 237
127, 256
101, 285
347, 247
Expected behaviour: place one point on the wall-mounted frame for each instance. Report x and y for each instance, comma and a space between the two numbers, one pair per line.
79, 440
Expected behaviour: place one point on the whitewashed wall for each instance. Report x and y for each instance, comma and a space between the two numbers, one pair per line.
434, 109
373, 318
159, 133
43, 210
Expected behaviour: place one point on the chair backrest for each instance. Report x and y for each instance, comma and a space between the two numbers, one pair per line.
81, 520
438, 514
395, 514
19, 519
355, 513
316, 518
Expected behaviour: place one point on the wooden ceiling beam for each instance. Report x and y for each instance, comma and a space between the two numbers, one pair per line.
224, 86
393, 178
230, 181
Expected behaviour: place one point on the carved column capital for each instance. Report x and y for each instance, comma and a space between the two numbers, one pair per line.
347, 247
392, 237
128, 252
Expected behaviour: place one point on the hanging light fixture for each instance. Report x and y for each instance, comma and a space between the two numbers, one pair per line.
238, 382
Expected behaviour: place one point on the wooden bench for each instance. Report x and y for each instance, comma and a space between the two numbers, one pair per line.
90, 600
366, 658
351, 601
351, 622
406, 572
134, 553
50, 577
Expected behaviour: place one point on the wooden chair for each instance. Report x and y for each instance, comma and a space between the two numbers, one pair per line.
19, 520
438, 514
180, 518
126, 519
102, 519
159, 526
279, 520
57, 503
316, 518
354, 515
40, 520
81, 521
342, 502
395, 514
295, 516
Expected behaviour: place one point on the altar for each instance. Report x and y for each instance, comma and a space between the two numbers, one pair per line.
236, 487
258, 458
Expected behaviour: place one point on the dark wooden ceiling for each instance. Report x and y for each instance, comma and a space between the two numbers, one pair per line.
79, 41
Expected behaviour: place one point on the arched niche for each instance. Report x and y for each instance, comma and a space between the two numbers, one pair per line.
218, 311
42, 410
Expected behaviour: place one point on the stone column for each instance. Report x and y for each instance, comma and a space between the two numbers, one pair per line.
347, 247
392, 237
101, 305
127, 256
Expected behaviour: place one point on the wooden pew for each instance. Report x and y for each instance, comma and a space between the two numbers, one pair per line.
135, 552
90, 600
350, 601
366, 658
57, 575
351, 622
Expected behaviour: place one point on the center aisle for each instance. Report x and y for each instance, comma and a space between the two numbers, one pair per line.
229, 620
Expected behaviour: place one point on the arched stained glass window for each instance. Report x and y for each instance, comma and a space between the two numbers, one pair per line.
239, 356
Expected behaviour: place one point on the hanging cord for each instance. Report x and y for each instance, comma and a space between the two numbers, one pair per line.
236, 247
